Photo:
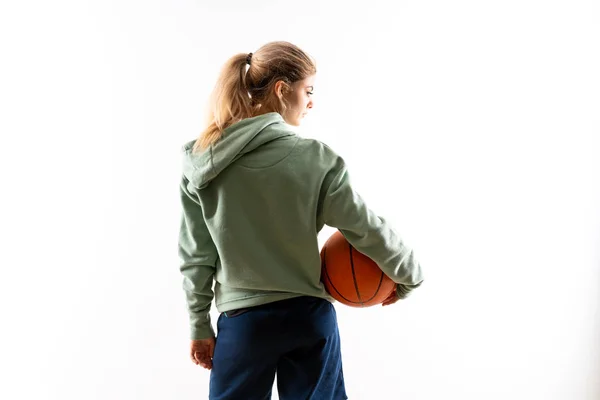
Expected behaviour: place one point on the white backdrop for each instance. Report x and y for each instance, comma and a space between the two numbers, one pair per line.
473, 126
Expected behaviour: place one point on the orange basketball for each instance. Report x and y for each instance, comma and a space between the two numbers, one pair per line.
350, 277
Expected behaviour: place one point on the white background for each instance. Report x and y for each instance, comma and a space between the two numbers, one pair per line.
472, 125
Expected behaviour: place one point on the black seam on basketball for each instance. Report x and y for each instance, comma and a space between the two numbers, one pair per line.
378, 287
324, 267
354, 276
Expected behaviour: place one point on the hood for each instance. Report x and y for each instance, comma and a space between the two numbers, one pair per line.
202, 167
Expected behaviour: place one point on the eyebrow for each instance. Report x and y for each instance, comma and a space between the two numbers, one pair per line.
311, 87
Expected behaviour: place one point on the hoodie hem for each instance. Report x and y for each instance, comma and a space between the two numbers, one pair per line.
257, 300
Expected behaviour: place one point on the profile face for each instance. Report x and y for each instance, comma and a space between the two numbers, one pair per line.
299, 100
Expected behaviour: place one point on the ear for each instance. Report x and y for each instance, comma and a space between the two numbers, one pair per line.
281, 88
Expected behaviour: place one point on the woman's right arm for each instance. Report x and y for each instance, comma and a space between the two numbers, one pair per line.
198, 256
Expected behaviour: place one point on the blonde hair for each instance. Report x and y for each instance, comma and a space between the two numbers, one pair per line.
240, 92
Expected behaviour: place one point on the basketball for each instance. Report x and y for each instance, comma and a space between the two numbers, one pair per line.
350, 277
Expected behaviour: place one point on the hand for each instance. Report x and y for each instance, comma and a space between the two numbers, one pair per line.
392, 298
202, 352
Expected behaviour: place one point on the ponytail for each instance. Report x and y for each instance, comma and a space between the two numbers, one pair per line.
243, 92
229, 102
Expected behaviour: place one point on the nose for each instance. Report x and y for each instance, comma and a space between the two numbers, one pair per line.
310, 104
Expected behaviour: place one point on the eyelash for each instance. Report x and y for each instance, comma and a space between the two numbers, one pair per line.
310, 93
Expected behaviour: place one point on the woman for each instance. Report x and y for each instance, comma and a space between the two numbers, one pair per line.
254, 197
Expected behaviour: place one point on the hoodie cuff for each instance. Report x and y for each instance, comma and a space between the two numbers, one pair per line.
404, 290
202, 332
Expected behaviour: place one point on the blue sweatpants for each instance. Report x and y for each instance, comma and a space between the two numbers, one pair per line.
297, 338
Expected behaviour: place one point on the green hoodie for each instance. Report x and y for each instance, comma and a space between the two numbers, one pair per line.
252, 206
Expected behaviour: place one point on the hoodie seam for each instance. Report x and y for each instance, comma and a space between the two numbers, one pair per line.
274, 164
212, 163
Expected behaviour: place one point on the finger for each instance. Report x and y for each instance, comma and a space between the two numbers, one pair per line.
203, 359
193, 357
206, 363
197, 356
391, 301
206, 366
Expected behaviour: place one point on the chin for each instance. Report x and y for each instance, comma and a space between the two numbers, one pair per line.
300, 119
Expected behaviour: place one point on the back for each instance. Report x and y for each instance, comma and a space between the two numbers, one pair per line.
253, 205
264, 213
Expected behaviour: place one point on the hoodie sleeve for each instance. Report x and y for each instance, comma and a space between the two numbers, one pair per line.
370, 234
198, 256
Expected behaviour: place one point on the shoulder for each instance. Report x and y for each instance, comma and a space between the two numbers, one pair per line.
317, 148
318, 153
